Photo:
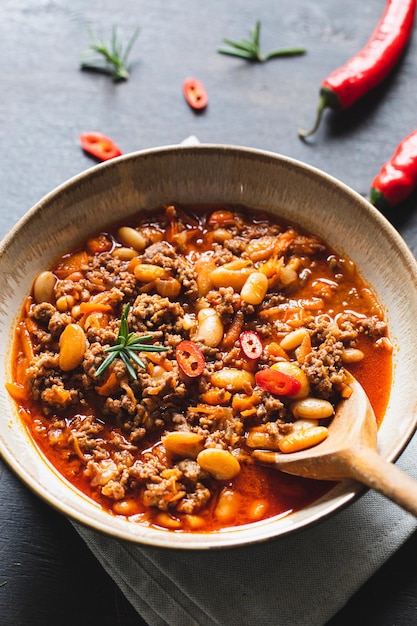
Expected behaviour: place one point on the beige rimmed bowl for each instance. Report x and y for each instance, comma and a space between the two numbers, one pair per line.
207, 174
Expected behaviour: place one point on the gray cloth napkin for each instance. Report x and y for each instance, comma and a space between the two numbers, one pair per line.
303, 578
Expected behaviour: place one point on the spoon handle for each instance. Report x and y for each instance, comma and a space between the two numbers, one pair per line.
372, 470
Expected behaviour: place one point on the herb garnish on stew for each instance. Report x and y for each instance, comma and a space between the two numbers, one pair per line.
128, 343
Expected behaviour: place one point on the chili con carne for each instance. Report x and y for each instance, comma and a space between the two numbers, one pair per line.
146, 446
397, 178
372, 64
99, 145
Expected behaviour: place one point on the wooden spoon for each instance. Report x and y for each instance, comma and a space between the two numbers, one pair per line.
350, 451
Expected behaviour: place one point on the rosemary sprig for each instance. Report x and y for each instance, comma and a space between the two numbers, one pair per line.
250, 48
128, 343
113, 55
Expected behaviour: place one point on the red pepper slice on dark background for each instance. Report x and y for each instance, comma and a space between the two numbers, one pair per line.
99, 145
251, 344
190, 358
195, 93
397, 178
278, 383
371, 65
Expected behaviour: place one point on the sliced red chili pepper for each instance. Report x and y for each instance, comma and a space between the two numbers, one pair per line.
194, 93
251, 344
99, 146
278, 383
371, 65
397, 178
190, 358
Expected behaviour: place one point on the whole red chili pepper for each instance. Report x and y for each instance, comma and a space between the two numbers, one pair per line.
371, 65
397, 178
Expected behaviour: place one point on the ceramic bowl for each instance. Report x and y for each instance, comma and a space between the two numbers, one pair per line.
212, 174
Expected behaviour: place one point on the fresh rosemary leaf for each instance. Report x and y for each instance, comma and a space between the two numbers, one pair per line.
128, 343
128, 366
134, 357
111, 58
107, 361
145, 348
250, 48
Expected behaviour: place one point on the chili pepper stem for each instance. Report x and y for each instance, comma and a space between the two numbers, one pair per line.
328, 99
376, 197
322, 105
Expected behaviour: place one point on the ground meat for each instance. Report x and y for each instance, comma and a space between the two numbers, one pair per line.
186, 275
58, 322
225, 300
194, 501
236, 245
309, 246
43, 312
156, 313
161, 253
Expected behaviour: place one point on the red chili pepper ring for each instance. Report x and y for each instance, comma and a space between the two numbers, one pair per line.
99, 145
278, 383
190, 358
251, 344
194, 93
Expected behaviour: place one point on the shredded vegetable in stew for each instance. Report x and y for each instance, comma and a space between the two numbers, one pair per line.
150, 362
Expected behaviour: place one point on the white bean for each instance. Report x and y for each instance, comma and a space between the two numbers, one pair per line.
210, 327
131, 238
147, 272
219, 463
232, 379
255, 288
227, 505
168, 287
43, 287
184, 444
303, 424
312, 408
293, 339
225, 276
124, 254
72, 345
65, 303
352, 355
